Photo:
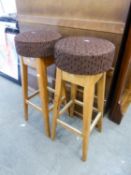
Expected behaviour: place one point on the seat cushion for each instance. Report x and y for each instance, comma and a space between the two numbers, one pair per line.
36, 43
84, 55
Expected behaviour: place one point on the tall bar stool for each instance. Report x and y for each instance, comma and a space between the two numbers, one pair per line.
82, 61
36, 49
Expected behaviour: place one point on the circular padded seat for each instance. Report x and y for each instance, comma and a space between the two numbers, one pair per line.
36, 43
84, 55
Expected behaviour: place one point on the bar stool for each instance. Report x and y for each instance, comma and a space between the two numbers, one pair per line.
82, 61
36, 49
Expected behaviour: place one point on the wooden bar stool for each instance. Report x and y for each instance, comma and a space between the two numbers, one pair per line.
36, 49
82, 61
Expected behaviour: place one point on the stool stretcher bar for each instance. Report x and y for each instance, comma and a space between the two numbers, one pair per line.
66, 107
51, 89
78, 113
37, 107
33, 94
81, 104
37, 92
70, 128
95, 96
76, 131
51, 108
97, 118
34, 105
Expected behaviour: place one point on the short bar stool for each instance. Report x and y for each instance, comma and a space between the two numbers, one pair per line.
82, 61
36, 49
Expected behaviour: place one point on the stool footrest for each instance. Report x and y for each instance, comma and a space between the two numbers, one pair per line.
78, 114
51, 89
95, 96
33, 94
95, 121
76, 131
66, 107
80, 103
37, 107
70, 128
37, 92
34, 105
51, 107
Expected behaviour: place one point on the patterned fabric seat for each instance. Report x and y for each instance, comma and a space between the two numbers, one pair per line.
84, 55
36, 43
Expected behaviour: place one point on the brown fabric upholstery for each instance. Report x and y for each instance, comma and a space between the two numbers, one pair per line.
84, 55
36, 43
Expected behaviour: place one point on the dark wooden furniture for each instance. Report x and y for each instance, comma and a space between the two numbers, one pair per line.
121, 75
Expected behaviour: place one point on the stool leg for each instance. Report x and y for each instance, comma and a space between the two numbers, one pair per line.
100, 100
88, 98
58, 93
73, 97
65, 95
24, 72
42, 82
